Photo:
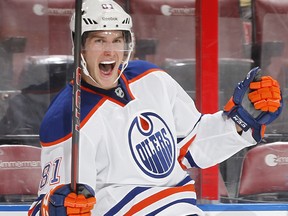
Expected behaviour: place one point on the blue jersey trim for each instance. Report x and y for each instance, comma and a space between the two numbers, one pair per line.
126, 200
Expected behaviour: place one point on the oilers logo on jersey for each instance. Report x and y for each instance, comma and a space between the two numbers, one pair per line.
152, 145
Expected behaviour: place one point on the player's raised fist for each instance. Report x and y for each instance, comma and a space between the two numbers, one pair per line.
255, 103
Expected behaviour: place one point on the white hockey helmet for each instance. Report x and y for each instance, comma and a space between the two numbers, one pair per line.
106, 15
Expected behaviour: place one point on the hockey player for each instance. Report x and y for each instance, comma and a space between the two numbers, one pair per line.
140, 131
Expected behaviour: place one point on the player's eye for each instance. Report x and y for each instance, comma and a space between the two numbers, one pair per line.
119, 40
98, 41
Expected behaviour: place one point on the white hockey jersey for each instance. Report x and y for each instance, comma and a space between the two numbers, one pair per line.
136, 141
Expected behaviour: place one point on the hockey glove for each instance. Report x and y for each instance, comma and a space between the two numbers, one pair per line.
265, 95
255, 103
62, 201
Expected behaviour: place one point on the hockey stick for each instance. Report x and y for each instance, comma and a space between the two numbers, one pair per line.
76, 96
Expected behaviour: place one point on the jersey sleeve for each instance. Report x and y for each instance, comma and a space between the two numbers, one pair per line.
203, 140
213, 140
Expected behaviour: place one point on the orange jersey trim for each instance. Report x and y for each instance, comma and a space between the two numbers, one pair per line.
144, 74
83, 122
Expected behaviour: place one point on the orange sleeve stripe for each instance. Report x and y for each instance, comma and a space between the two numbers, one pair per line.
183, 152
158, 196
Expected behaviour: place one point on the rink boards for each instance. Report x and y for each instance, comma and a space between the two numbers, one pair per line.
209, 209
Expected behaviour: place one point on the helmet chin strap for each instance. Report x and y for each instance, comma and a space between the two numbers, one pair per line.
124, 65
85, 70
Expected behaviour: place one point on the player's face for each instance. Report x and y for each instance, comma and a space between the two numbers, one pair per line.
103, 52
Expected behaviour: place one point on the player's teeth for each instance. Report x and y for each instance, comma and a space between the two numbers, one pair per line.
108, 62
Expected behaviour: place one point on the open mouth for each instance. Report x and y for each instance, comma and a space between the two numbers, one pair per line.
107, 67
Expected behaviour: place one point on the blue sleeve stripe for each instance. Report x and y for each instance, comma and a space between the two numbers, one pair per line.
190, 159
186, 180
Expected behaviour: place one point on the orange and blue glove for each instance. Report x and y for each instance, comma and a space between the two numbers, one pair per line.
62, 201
255, 103
266, 94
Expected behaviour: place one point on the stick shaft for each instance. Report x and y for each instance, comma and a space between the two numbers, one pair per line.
76, 96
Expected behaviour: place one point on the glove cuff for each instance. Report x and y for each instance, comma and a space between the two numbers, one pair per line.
242, 118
